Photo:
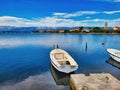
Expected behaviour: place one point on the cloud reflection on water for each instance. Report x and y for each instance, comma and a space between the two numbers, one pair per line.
34, 40
38, 82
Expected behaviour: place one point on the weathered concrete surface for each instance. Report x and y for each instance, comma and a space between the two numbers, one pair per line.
102, 81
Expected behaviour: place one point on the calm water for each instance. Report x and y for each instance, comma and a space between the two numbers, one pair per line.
25, 62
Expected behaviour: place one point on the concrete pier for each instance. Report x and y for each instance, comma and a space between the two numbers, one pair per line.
102, 81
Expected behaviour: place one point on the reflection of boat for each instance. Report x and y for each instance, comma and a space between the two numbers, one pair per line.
114, 53
113, 62
62, 61
60, 78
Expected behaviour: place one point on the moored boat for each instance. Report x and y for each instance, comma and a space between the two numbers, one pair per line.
114, 53
62, 61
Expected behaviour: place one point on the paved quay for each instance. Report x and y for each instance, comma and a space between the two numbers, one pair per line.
103, 81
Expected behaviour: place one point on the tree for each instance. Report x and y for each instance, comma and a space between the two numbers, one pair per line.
97, 29
81, 28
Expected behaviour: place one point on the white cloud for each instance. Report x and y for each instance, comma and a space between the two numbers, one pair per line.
40, 22
111, 12
116, 0
53, 22
81, 13
75, 14
58, 22
88, 17
107, 0
59, 14
58, 19
13, 21
9, 18
100, 22
115, 22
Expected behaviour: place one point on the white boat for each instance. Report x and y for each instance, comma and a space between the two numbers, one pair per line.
62, 61
114, 53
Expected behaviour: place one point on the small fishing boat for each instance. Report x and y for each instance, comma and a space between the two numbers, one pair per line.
62, 61
114, 53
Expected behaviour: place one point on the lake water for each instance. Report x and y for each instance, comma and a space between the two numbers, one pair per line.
25, 62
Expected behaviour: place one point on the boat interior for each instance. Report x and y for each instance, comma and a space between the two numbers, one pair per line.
61, 59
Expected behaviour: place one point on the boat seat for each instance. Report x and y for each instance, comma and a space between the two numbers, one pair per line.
62, 62
59, 56
117, 52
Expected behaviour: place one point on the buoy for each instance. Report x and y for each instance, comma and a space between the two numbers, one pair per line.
103, 43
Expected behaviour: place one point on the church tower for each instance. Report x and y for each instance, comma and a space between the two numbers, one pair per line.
105, 26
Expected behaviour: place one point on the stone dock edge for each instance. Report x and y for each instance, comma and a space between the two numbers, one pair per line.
102, 81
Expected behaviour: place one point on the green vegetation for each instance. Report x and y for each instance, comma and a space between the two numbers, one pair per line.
81, 28
66, 31
96, 29
99, 30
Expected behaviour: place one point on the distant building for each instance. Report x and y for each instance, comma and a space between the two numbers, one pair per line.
74, 29
86, 29
106, 26
40, 31
61, 31
116, 28
52, 31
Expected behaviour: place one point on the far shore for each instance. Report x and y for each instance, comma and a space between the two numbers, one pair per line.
9, 32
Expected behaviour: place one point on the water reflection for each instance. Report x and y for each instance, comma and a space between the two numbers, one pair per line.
42, 81
113, 63
86, 46
60, 78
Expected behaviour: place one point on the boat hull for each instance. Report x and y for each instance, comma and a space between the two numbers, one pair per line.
113, 54
115, 58
65, 69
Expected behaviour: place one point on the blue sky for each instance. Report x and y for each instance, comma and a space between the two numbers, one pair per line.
53, 13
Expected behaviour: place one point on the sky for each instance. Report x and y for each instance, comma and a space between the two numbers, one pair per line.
59, 13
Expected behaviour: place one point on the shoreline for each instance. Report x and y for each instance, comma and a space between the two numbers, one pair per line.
56, 33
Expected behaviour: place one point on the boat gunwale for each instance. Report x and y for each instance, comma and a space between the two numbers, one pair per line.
113, 54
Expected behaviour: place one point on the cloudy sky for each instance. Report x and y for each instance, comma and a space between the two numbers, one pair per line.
59, 13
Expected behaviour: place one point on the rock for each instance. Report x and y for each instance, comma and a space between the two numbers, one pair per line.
103, 81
